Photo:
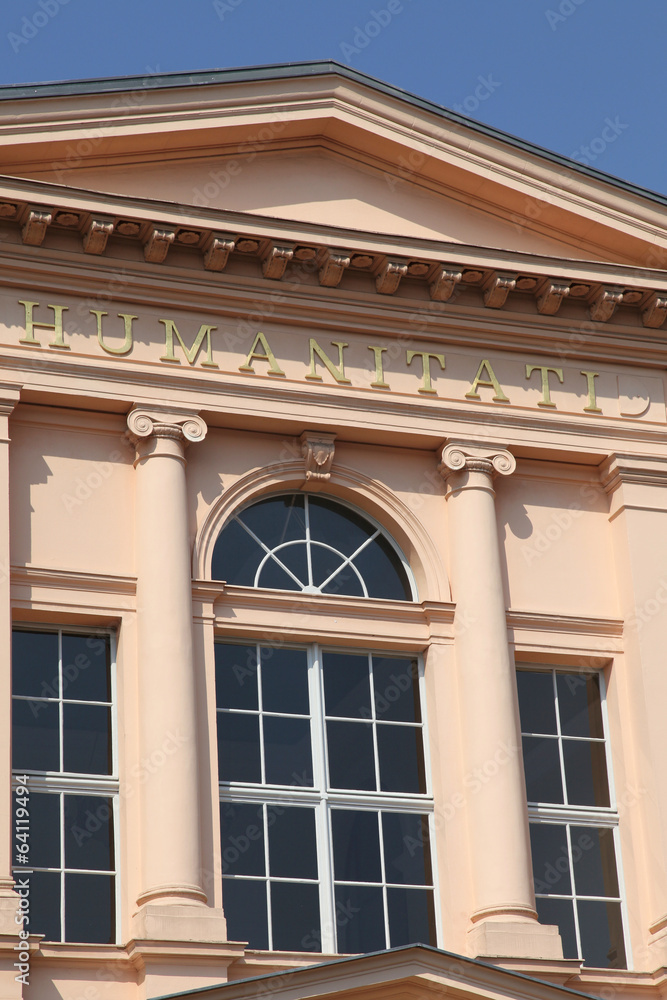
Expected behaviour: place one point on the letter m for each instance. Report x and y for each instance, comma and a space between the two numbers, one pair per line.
170, 331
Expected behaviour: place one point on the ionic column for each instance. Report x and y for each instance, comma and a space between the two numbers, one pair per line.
504, 916
171, 861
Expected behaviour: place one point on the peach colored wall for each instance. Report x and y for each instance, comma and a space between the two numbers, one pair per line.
71, 495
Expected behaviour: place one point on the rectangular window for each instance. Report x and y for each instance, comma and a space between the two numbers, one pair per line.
573, 820
325, 810
63, 758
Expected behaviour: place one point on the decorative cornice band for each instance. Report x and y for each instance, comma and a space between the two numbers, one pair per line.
444, 278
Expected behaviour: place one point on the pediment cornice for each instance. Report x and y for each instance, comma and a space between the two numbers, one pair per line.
285, 251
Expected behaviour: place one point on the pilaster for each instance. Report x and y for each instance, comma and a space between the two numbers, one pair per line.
637, 489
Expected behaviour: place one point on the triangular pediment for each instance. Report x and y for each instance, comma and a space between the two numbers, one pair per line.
321, 144
317, 185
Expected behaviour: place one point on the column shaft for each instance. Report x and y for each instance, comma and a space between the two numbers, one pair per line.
497, 809
171, 865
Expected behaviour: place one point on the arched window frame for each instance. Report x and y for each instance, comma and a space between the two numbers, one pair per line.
380, 530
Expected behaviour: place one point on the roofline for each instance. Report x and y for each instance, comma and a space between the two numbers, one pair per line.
280, 71
350, 959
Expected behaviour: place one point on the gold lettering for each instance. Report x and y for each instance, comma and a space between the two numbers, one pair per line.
426, 356
266, 354
204, 331
337, 372
127, 343
491, 382
379, 370
30, 325
546, 394
592, 397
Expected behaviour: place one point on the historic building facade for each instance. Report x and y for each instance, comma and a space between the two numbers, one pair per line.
334, 561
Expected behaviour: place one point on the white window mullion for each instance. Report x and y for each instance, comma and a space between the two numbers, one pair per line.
260, 717
61, 817
322, 817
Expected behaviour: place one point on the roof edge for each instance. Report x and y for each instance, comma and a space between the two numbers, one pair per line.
278, 71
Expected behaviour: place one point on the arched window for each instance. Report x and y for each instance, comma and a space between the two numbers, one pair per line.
310, 544
326, 809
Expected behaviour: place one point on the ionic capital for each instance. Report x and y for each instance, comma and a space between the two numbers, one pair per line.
460, 456
180, 426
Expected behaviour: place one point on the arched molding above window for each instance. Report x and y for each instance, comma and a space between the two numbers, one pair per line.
351, 487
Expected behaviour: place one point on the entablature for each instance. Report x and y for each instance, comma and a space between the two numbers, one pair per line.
281, 251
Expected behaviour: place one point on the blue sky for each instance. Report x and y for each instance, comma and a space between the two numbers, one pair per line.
586, 78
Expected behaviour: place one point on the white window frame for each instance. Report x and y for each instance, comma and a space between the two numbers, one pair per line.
60, 782
324, 800
567, 815
309, 589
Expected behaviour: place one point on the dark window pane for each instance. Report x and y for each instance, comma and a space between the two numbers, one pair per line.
276, 519
401, 759
594, 861
324, 563
274, 577
292, 849
356, 845
579, 705
295, 917
347, 582
285, 680
35, 664
537, 706
411, 917
236, 556
236, 676
295, 558
551, 864
383, 571
338, 526
238, 747
351, 761
87, 667
585, 773
244, 904
87, 739
35, 736
396, 684
287, 752
347, 687
90, 908
601, 930
561, 913
407, 856
44, 903
359, 919
44, 829
242, 838
541, 764
89, 832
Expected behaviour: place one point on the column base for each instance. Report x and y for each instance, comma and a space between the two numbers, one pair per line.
515, 939
180, 947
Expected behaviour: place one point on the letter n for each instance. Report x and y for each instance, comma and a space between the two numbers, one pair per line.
337, 372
